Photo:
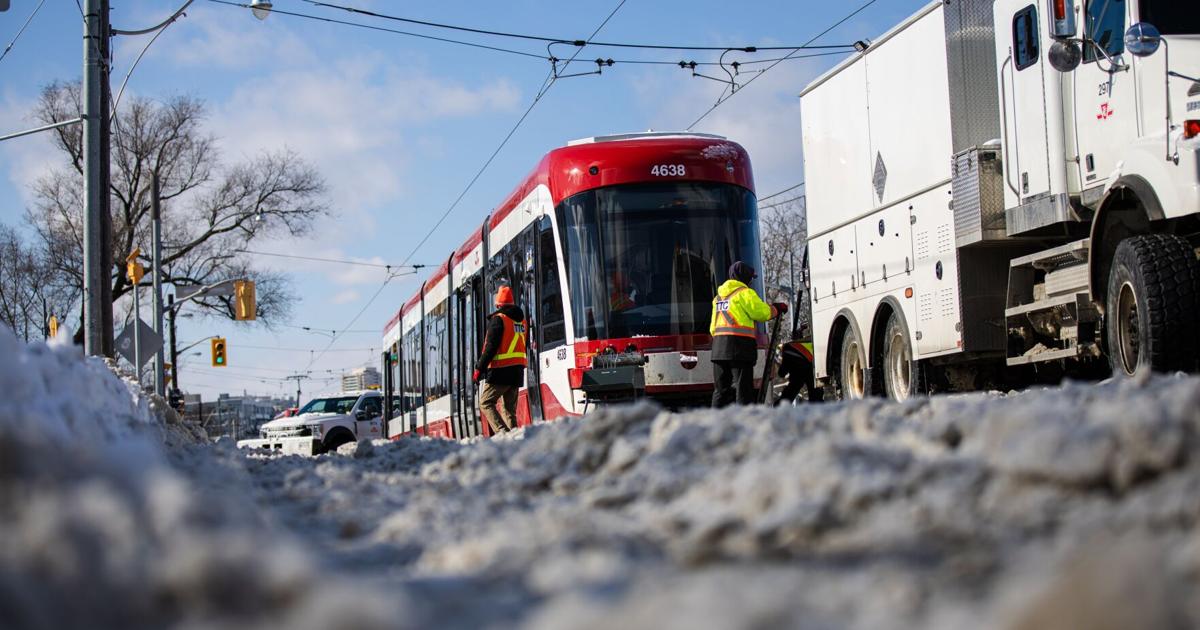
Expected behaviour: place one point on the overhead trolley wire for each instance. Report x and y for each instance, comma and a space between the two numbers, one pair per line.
330, 260
370, 27
546, 57
580, 43
781, 203
22, 30
546, 85
723, 99
773, 195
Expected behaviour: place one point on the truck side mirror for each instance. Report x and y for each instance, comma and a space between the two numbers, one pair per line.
1065, 55
1142, 39
1062, 19
360, 415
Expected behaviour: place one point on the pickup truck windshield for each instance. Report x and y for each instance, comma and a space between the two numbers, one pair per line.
330, 405
1171, 17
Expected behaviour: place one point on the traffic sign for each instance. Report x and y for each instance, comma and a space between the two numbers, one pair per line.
150, 342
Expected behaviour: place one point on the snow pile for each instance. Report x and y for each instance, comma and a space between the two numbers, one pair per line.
1072, 507
98, 530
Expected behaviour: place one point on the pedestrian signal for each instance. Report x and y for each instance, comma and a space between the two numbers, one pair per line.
218, 352
245, 308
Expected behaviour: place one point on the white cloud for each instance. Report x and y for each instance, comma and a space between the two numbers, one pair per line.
28, 157
352, 119
344, 297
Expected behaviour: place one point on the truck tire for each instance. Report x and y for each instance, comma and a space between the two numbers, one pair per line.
898, 369
850, 381
1151, 311
336, 438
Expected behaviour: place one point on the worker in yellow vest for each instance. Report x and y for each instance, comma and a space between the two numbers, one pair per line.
502, 363
736, 308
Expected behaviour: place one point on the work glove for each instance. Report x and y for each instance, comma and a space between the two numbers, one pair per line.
475, 376
781, 307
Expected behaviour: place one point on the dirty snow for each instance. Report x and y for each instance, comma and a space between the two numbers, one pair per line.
1068, 507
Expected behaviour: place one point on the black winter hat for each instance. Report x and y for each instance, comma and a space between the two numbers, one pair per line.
742, 272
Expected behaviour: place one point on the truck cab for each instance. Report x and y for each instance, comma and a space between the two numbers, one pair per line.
1101, 112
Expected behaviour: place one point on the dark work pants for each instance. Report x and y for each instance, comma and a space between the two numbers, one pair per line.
733, 378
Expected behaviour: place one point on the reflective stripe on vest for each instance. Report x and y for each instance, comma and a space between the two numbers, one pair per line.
726, 324
512, 345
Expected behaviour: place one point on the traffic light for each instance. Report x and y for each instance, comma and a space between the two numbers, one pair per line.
218, 352
245, 308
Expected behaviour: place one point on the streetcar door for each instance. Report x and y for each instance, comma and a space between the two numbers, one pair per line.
528, 301
475, 329
551, 334
466, 326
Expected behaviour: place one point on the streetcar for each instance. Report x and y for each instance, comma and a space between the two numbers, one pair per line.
614, 246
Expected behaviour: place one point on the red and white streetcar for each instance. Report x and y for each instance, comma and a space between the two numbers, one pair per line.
614, 247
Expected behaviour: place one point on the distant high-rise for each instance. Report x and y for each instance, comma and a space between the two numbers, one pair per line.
361, 378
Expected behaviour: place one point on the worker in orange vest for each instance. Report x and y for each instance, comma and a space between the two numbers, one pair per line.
502, 363
736, 309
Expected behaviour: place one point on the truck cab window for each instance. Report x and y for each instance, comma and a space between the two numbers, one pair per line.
1105, 24
1025, 38
1171, 17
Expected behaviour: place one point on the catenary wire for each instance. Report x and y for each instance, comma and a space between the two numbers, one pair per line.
723, 99
546, 85
773, 195
329, 260
781, 203
540, 57
386, 30
23, 27
561, 40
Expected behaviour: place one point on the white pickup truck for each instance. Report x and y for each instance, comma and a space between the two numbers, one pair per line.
323, 425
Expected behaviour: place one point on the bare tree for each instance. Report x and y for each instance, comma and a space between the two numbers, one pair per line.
30, 290
211, 211
783, 229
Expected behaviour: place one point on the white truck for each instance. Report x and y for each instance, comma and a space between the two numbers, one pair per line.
1001, 189
323, 425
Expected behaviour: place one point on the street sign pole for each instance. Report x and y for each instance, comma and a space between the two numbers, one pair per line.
137, 333
160, 385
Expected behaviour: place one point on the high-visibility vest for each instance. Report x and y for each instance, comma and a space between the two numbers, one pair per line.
730, 321
512, 345
620, 301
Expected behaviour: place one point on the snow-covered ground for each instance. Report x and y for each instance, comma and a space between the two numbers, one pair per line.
1069, 507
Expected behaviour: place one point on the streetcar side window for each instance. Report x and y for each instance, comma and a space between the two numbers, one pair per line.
550, 308
411, 359
437, 363
506, 268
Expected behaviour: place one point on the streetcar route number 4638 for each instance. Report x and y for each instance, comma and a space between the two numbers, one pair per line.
667, 170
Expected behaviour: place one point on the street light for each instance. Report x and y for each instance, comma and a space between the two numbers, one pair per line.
261, 8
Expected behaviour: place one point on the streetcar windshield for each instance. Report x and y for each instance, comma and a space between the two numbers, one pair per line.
647, 259
1171, 17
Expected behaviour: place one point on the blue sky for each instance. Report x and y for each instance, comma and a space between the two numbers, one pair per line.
398, 126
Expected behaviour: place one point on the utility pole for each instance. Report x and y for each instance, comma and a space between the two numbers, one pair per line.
174, 345
95, 115
160, 386
297, 378
106, 253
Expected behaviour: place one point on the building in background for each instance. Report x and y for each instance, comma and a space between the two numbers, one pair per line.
361, 378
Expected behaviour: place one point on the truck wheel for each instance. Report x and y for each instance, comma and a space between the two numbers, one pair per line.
336, 438
899, 369
851, 376
1153, 294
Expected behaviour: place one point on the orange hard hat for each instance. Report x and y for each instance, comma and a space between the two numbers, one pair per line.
504, 296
